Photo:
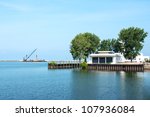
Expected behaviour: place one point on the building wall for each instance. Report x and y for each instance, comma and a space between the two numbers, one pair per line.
118, 57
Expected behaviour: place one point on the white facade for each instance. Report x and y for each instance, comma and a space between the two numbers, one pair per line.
139, 59
106, 57
111, 57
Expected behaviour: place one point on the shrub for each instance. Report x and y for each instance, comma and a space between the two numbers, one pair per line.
84, 66
52, 63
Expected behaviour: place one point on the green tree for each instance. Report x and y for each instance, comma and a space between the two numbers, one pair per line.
108, 45
131, 41
84, 44
105, 45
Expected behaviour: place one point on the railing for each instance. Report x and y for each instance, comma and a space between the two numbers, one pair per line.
65, 62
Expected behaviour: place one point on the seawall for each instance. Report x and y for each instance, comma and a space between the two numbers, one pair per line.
147, 66
101, 67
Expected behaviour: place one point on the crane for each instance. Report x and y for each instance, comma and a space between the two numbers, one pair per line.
27, 57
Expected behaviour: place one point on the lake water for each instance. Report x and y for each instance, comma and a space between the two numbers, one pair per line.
33, 81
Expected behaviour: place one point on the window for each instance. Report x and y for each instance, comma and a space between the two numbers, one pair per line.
102, 60
109, 59
95, 60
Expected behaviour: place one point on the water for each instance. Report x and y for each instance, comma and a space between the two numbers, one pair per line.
24, 81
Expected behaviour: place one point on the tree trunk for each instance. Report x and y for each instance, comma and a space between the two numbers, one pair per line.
85, 60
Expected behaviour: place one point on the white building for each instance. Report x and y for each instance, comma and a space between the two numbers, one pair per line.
111, 57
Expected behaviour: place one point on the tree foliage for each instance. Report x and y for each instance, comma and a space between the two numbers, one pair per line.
105, 45
131, 41
84, 44
108, 45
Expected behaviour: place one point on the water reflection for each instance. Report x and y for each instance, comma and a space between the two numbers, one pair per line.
93, 85
81, 85
146, 86
130, 85
106, 85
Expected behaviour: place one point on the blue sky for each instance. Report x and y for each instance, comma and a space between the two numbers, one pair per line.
50, 25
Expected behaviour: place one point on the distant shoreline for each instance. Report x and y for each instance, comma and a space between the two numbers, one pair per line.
10, 61
19, 61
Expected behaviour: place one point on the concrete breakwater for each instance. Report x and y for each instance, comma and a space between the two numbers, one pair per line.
101, 67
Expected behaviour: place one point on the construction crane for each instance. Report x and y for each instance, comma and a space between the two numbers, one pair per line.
27, 57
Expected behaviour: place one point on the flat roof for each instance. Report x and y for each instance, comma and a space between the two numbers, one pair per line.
104, 55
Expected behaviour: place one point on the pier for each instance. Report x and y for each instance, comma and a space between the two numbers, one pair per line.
63, 64
137, 67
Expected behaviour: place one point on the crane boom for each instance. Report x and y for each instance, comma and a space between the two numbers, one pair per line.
30, 55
